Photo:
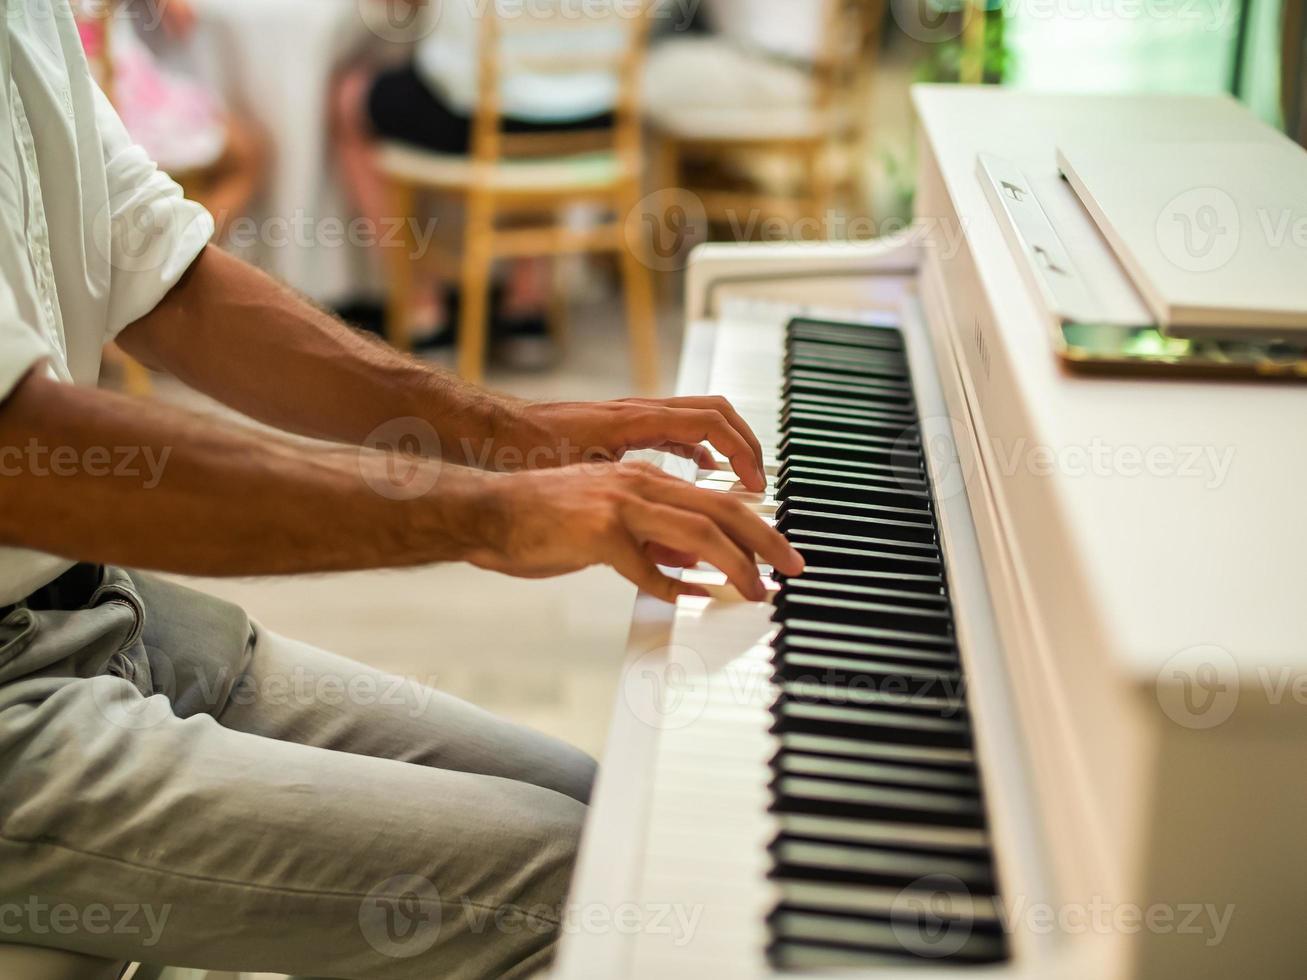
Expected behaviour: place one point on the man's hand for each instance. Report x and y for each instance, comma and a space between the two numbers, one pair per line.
630, 516
560, 433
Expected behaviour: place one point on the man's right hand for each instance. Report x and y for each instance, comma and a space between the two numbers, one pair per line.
630, 516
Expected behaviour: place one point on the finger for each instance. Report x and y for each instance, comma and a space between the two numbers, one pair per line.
701, 456
632, 564
722, 405
685, 531
746, 528
670, 557
692, 426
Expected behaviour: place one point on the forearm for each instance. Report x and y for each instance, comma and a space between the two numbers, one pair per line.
94, 476
238, 336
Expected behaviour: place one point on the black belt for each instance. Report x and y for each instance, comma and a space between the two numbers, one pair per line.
71, 590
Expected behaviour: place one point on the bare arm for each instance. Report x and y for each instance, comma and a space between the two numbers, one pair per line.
240, 337
235, 334
202, 496
95, 476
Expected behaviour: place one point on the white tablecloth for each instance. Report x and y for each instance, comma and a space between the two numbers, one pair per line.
273, 60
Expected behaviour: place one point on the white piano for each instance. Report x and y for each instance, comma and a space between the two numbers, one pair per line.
1038, 707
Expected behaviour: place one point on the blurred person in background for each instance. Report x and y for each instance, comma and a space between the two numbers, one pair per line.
429, 103
754, 55
217, 155
283, 808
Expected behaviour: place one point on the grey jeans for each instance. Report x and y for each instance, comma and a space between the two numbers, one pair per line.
179, 786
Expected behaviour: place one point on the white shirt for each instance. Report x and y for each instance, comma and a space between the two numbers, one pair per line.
92, 234
447, 60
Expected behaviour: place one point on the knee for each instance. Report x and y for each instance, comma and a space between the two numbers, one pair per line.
574, 773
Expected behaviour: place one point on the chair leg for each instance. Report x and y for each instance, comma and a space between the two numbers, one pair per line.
821, 190
668, 174
641, 318
478, 254
136, 377
556, 316
399, 268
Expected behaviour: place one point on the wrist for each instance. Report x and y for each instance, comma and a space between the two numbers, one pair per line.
522, 439
462, 517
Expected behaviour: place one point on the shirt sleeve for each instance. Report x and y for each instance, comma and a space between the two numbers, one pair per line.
21, 347
154, 232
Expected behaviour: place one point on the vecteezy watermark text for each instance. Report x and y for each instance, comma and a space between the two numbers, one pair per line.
301, 230
34, 917
35, 458
1100, 458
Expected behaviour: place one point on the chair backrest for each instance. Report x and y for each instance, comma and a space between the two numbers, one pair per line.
847, 61
506, 22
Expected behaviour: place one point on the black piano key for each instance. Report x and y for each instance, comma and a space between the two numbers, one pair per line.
802, 630
949, 840
844, 448
868, 696
844, 335
884, 338
789, 516
905, 522
894, 774
979, 911
790, 643
875, 492
884, 674
821, 861
835, 798
812, 383
837, 449
810, 668
855, 429
873, 723
844, 358
839, 405
812, 345
839, 361
932, 585
807, 940
889, 558
869, 591
909, 476
838, 609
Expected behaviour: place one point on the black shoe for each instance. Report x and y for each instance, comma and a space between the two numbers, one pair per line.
523, 343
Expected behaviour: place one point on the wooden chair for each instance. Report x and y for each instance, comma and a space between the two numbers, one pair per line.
834, 124
99, 55
1293, 69
100, 13
534, 178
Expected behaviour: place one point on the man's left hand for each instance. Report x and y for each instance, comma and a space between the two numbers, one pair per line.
548, 434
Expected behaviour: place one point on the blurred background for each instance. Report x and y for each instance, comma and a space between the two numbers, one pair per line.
512, 189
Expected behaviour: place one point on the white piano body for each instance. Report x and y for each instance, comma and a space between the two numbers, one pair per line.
1125, 559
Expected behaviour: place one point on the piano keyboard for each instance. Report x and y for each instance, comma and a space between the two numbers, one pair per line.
881, 856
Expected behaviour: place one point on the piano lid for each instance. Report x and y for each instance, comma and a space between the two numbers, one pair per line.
1177, 504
